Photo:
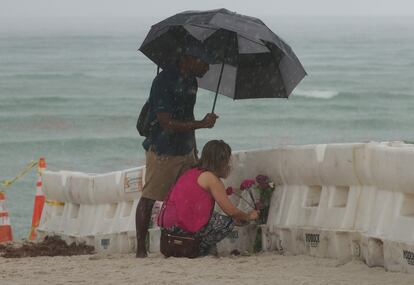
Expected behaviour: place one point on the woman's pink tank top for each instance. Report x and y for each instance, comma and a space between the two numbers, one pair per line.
189, 206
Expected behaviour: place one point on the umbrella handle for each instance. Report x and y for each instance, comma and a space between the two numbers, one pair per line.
218, 86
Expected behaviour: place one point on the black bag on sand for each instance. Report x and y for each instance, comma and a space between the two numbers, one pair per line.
179, 245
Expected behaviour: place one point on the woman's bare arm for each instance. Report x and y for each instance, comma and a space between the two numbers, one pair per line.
215, 186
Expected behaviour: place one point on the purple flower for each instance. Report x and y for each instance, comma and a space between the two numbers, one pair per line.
262, 179
229, 190
246, 184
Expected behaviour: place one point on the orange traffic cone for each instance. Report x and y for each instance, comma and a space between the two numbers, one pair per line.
5, 227
39, 199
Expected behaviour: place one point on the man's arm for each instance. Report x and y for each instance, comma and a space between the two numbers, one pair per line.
168, 123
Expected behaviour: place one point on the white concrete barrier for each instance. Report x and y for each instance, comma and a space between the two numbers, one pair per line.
240, 241
324, 190
341, 201
248, 164
99, 209
363, 206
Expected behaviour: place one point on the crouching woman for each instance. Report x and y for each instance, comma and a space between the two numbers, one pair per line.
188, 209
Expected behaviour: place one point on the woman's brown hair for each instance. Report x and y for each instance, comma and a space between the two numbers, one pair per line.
215, 156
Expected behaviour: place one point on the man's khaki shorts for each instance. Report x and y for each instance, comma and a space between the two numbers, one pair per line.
162, 171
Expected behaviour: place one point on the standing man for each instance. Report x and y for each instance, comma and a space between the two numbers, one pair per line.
170, 147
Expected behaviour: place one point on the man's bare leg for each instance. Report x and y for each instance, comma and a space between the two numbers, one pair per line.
142, 220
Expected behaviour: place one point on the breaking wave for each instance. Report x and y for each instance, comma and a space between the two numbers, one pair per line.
319, 94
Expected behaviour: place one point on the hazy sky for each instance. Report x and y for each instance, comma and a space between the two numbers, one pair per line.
143, 8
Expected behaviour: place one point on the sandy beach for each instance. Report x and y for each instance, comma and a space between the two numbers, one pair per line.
265, 268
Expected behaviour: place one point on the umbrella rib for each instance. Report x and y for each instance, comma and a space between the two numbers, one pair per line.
156, 35
204, 27
249, 39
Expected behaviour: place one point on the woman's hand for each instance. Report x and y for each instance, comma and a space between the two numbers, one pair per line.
239, 223
253, 215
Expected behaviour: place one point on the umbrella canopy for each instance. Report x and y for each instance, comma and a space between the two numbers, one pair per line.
247, 60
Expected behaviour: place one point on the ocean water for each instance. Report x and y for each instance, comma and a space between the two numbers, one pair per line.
71, 92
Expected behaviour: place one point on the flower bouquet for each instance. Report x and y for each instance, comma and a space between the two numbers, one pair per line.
261, 187
256, 193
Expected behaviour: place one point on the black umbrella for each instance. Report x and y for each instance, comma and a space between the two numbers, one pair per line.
247, 60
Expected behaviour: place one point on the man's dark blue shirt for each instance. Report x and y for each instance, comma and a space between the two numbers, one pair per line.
175, 94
